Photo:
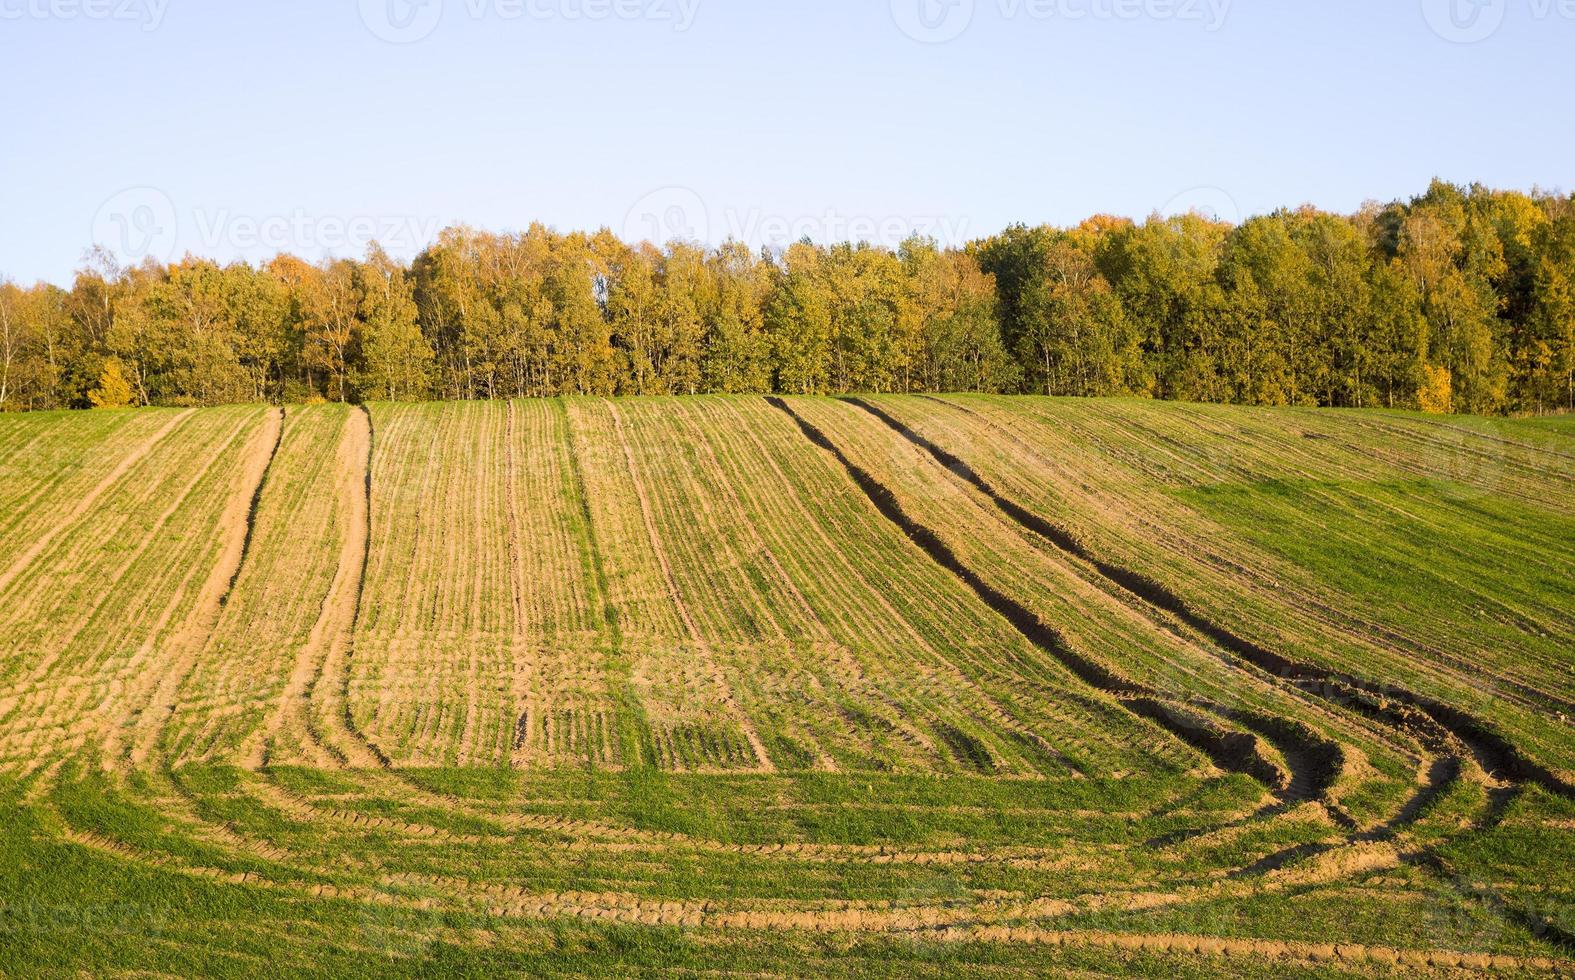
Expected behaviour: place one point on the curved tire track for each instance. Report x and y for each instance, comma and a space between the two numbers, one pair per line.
1229, 750
1493, 752
1457, 735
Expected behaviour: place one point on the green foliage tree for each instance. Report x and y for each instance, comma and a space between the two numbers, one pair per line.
259, 307
954, 304
736, 357
396, 358
799, 323
576, 283
1163, 272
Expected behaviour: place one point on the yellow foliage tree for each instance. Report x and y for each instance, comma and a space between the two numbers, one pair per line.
114, 390
1435, 396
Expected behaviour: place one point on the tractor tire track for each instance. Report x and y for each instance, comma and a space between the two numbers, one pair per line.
235, 525
898, 712
329, 689
1456, 735
1316, 762
1231, 751
362, 750
1493, 753
927, 924
947, 924
334, 626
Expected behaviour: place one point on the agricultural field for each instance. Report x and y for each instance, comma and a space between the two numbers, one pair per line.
891, 685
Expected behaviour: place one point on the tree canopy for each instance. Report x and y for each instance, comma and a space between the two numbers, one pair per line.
1461, 299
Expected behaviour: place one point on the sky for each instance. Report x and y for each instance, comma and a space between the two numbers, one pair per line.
236, 130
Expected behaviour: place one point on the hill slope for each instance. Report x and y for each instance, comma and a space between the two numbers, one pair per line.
896, 684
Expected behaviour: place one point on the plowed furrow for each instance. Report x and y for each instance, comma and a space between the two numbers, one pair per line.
86, 501
718, 678
334, 625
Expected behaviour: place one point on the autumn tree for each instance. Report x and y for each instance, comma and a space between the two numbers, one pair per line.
40, 347
684, 293
329, 304
12, 341
517, 287
584, 360
1544, 360
114, 390
632, 304
1452, 254
454, 316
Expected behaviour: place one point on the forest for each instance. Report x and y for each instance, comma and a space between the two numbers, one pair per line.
1459, 300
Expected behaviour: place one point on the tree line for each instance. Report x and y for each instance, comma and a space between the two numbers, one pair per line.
1461, 299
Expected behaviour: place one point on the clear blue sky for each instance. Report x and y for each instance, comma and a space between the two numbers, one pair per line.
251, 126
